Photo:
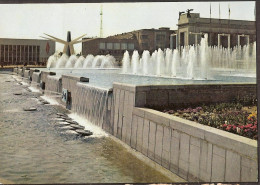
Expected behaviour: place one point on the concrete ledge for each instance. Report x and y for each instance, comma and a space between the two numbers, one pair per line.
239, 144
77, 78
126, 87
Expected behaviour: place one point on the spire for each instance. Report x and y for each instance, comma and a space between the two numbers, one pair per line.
228, 11
219, 10
210, 11
101, 21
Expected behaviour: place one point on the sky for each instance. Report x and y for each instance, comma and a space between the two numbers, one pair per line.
32, 20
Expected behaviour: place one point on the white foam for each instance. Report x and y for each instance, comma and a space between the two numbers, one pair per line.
97, 131
50, 100
33, 89
24, 83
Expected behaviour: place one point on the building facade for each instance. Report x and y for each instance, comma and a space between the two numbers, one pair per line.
25, 51
140, 40
221, 32
109, 45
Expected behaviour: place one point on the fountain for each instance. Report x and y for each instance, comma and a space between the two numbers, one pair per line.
99, 61
200, 62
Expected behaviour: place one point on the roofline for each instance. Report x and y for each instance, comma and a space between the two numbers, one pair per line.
26, 39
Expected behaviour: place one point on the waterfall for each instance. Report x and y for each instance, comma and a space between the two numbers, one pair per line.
92, 103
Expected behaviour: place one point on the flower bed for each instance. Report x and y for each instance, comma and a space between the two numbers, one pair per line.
231, 117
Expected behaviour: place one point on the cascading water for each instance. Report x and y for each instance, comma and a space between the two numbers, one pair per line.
91, 103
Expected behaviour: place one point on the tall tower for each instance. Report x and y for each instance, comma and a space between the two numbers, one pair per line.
101, 22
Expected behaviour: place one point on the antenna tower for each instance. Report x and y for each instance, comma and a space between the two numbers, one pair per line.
101, 22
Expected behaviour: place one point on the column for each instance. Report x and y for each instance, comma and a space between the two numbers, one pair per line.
228, 41
218, 40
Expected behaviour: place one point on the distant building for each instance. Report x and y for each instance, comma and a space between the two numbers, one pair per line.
109, 45
25, 51
116, 45
221, 32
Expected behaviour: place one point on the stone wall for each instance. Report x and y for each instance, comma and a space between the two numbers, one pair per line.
194, 152
157, 96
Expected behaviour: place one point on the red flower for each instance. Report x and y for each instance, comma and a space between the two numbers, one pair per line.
225, 125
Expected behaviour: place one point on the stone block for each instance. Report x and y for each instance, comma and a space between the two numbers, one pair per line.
151, 146
166, 159
128, 131
119, 126
239, 144
157, 97
151, 154
174, 154
134, 132
194, 161
232, 167
166, 139
219, 151
145, 137
140, 99
125, 107
139, 142
126, 97
189, 127
158, 144
131, 99
195, 141
129, 111
205, 161
121, 107
117, 94
152, 132
138, 112
166, 147
218, 168
115, 124
249, 170
176, 134
142, 88
156, 116
184, 147
124, 129
183, 169
122, 96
